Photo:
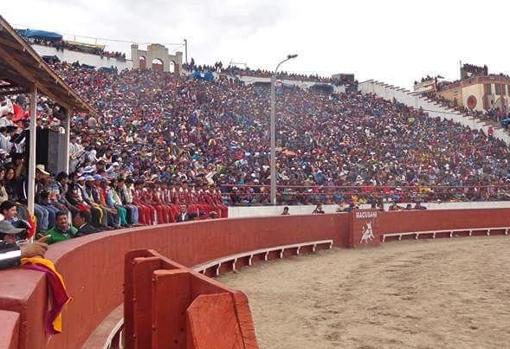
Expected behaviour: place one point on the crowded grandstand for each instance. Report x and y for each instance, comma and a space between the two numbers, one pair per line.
162, 143
152, 170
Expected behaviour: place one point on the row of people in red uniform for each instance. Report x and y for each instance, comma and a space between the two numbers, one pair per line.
159, 204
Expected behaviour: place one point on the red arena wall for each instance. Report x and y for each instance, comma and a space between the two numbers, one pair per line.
93, 266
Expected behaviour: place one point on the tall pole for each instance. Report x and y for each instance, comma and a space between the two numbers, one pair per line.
273, 130
67, 128
186, 51
273, 140
32, 158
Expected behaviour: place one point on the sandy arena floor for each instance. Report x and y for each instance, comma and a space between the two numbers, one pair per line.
452, 293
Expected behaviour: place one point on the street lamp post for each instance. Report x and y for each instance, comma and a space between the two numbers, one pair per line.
186, 51
273, 129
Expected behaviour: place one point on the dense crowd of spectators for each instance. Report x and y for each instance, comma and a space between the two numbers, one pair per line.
330, 147
163, 146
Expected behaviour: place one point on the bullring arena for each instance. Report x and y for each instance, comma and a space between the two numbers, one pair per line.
144, 200
414, 294
444, 288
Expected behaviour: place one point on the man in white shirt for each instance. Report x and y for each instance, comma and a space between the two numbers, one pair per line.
7, 120
75, 152
5, 140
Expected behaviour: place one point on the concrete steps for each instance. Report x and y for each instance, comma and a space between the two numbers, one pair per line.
432, 107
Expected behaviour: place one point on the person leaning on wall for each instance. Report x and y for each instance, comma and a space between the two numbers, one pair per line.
12, 251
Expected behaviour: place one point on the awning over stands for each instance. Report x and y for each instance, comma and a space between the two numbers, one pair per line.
200, 75
23, 71
39, 34
21, 68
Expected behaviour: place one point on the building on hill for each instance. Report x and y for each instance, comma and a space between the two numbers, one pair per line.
477, 90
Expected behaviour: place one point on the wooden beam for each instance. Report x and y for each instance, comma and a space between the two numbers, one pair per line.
17, 91
8, 43
44, 70
31, 76
19, 57
50, 79
12, 77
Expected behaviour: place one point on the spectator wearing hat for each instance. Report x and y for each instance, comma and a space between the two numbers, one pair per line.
128, 189
85, 195
19, 229
110, 218
127, 201
100, 197
114, 201
11, 253
62, 229
98, 213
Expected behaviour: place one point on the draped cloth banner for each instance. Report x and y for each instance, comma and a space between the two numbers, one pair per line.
58, 296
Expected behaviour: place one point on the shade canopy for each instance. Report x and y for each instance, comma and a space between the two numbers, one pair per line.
22, 69
39, 34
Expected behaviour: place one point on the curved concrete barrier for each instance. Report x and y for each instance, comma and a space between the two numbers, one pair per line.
93, 266
9, 334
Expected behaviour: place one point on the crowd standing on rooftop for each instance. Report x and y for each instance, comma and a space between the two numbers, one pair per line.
234, 70
62, 45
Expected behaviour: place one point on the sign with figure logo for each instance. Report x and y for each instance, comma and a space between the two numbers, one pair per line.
367, 233
363, 228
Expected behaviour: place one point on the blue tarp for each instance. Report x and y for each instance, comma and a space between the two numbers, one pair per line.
39, 34
199, 75
505, 122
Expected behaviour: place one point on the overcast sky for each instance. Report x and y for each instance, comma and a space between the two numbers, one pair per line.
396, 41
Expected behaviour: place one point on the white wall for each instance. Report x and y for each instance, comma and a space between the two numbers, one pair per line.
302, 84
84, 58
476, 90
259, 211
434, 109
